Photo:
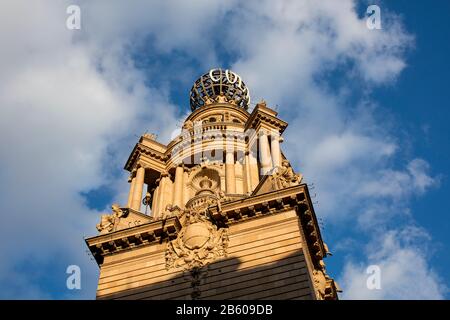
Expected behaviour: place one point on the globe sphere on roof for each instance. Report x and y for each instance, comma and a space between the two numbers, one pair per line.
219, 85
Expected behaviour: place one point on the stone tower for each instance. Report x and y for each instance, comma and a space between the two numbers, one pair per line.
218, 213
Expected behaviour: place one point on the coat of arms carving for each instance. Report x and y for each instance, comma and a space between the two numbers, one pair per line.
200, 241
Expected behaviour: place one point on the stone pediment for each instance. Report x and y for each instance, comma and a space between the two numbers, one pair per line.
134, 218
264, 186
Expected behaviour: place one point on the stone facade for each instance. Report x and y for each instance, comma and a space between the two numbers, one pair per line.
218, 213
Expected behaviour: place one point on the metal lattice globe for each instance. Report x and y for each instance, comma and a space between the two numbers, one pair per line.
218, 82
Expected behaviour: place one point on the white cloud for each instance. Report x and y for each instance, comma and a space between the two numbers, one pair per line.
415, 179
405, 273
285, 45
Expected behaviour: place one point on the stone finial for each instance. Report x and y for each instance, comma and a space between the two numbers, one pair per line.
150, 136
262, 103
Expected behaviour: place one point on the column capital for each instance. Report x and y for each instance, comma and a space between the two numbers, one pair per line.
140, 165
180, 169
277, 138
164, 174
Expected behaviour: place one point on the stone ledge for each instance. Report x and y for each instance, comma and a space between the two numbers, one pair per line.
295, 197
133, 237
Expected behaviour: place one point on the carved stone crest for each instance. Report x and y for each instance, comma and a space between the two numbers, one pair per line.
198, 243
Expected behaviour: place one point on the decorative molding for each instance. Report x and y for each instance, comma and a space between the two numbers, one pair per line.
256, 206
144, 234
260, 116
145, 150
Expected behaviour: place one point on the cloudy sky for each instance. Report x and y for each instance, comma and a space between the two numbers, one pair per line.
367, 110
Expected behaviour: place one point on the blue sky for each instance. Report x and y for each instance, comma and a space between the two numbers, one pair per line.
419, 101
367, 113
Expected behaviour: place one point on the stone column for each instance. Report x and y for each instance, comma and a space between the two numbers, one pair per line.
166, 190
178, 188
264, 153
138, 187
186, 195
276, 152
132, 184
247, 176
230, 177
239, 176
254, 171
156, 200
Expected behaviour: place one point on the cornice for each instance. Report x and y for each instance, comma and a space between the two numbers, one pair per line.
259, 117
218, 106
138, 236
296, 197
142, 149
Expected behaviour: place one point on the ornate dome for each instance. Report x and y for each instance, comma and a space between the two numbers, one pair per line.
218, 86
